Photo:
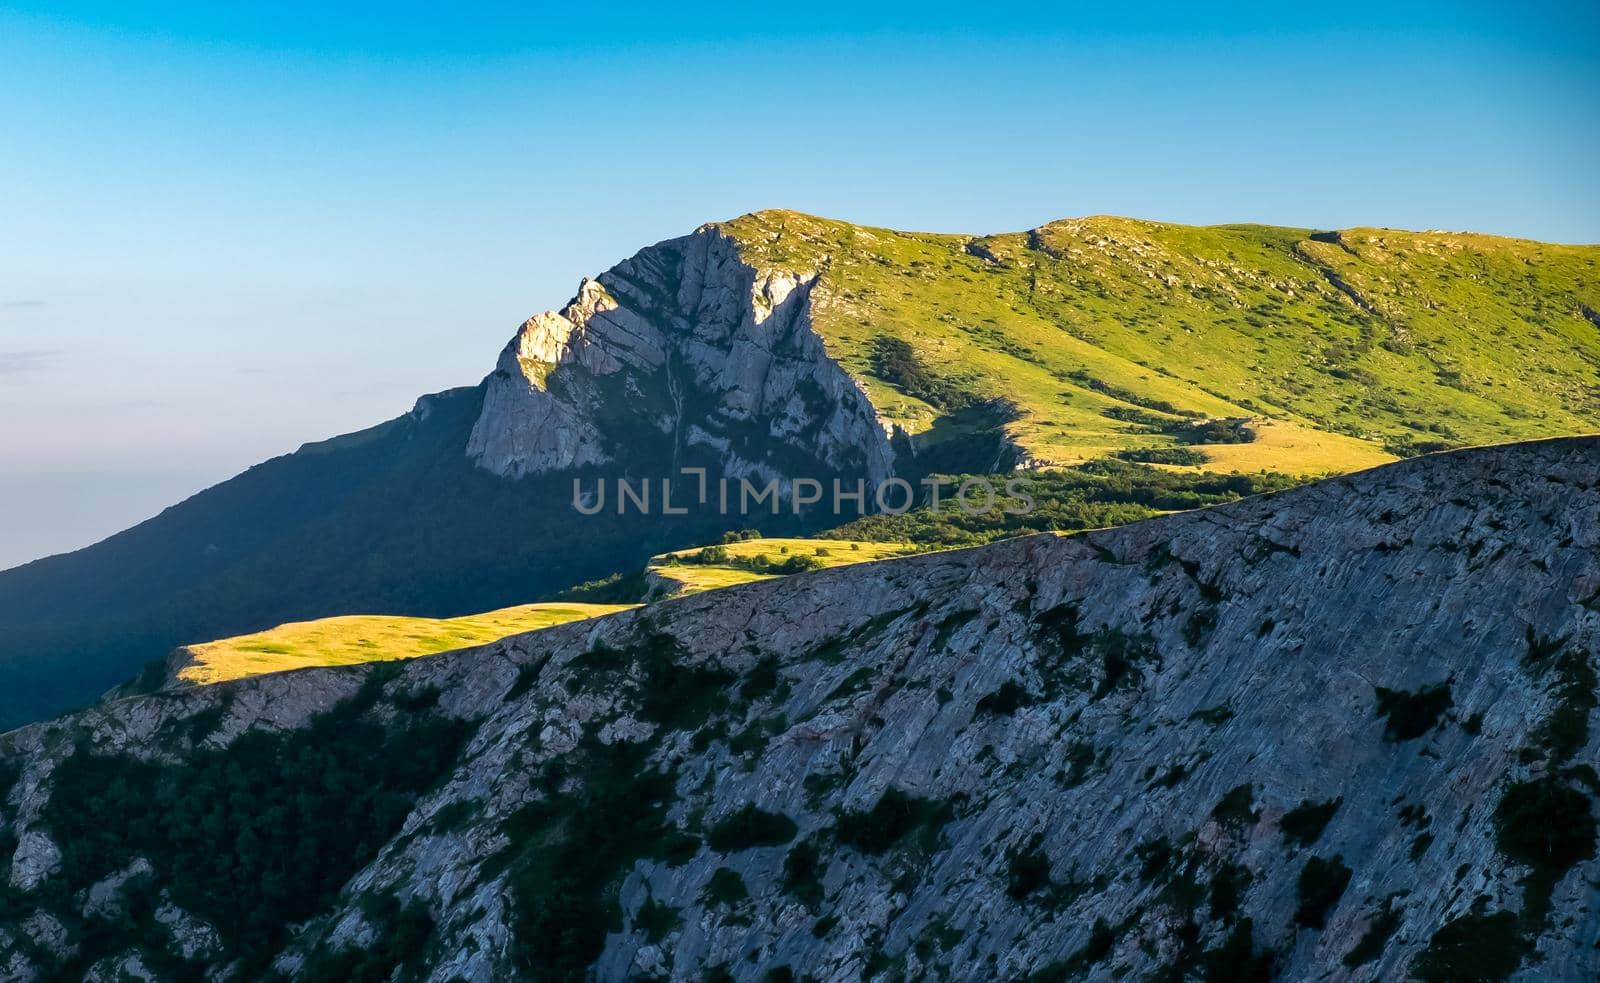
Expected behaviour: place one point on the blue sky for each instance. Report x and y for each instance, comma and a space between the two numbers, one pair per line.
225, 230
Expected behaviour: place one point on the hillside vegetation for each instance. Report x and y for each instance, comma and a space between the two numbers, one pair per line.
1342, 732
1109, 334
352, 639
744, 561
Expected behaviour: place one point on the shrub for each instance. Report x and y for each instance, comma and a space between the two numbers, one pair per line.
1101, 940
1230, 430
711, 555
1473, 947
1163, 455
1089, 496
1079, 758
1236, 959
1237, 808
1304, 823
618, 588
1154, 856
1419, 845
896, 362
1566, 731
1322, 883
401, 938
802, 873
725, 887
750, 827
1200, 626
1005, 701
895, 818
673, 694
762, 680
852, 684
1099, 945
1027, 871
762, 563
656, 919
1409, 715
1215, 716
1227, 890
1545, 824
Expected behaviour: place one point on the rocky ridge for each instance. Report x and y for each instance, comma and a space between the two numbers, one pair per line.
1341, 732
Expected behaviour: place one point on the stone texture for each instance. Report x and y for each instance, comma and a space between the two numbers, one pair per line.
1154, 669
688, 340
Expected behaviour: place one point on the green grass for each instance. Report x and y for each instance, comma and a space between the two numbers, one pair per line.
1072, 499
1089, 496
684, 572
352, 639
1351, 347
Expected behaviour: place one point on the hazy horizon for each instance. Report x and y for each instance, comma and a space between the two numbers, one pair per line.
238, 232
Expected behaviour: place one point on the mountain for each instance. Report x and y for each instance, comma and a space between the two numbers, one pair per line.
1392, 338
1073, 341
1341, 731
391, 521
779, 345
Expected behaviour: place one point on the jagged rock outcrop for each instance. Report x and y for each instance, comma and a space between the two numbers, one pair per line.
1341, 732
693, 347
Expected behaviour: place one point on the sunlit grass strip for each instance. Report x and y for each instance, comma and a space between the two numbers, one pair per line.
352, 639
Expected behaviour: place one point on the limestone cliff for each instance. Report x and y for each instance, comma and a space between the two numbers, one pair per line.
1342, 732
691, 347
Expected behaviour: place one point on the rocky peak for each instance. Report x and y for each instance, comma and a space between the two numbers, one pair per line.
689, 342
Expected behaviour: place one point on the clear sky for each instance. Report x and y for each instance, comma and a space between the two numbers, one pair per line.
224, 232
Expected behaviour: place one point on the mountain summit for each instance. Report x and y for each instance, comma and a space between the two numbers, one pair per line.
685, 343
1083, 337
779, 344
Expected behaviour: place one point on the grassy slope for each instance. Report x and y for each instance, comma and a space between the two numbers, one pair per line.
369, 638
691, 578
1353, 344
351, 639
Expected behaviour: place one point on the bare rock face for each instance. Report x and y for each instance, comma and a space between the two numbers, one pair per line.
1342, 732
688, 342
524, 428
35, 859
